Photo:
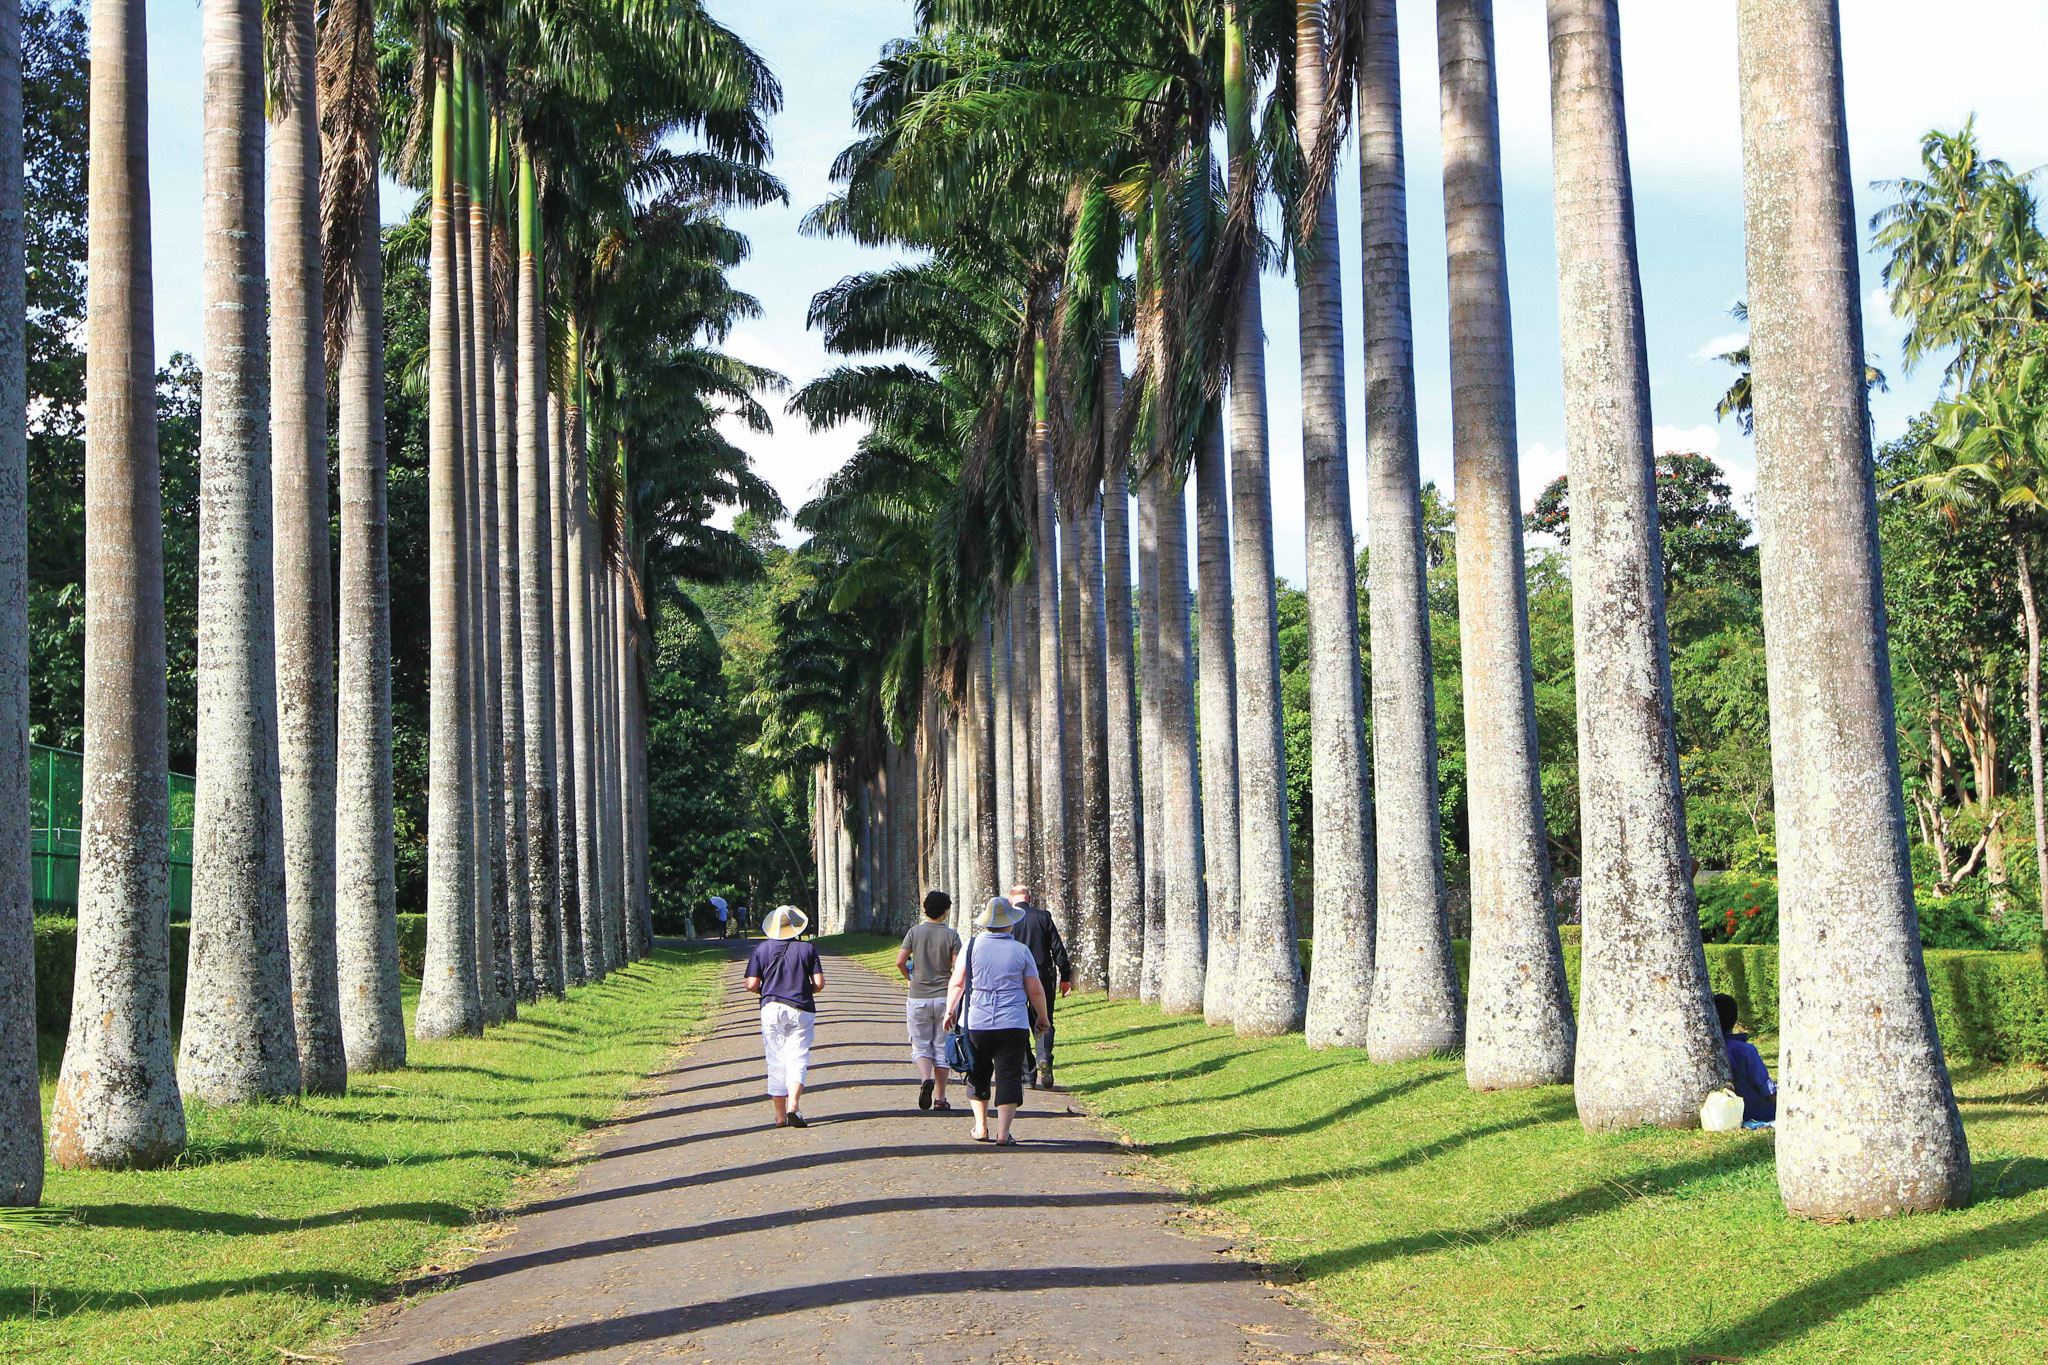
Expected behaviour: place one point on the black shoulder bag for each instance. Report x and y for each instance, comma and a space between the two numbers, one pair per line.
961, 1040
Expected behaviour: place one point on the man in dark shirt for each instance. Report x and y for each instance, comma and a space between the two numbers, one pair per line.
1746, 1066
786, 973
1037, 932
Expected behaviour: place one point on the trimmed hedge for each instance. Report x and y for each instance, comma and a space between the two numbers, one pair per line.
56, 955
1990, 1007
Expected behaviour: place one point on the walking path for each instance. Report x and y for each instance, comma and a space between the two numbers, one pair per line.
702, 1233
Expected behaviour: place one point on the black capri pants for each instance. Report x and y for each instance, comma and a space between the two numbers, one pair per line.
999, 1058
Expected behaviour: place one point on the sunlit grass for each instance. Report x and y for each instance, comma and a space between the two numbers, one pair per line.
282, 1222
1441, 1225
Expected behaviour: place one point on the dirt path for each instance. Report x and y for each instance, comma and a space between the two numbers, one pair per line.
701, 1233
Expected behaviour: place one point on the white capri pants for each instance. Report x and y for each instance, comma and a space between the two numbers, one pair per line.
926, 1020
786, 1034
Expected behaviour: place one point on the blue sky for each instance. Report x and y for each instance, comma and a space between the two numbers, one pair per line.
1905, 74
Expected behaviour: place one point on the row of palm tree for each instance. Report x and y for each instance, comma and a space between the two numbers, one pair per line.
579, 288
971, 575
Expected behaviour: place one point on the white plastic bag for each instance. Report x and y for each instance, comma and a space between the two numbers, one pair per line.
1722, 1111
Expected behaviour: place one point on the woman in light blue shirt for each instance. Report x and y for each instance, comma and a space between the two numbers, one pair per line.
995, 987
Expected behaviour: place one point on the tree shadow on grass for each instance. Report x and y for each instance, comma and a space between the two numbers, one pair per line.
1413, 1156
1349, 1109
1257, 1087
57, 1302
1185, 1073
177, 1218
1810, 1306
1594, 1199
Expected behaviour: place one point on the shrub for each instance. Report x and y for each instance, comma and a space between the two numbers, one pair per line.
1739, 907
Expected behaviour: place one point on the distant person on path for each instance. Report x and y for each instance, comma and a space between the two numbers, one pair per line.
1037, 932
1752, 1079
724, 916
786, 973
926, 961
996, 995
739, 919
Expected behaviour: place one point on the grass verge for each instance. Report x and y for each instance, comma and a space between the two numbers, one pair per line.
1442, 1225
282, 1223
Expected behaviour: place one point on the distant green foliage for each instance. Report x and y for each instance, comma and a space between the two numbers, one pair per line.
1739, 908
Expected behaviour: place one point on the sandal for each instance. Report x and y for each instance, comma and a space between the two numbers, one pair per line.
981, 1137
1006, 1142
942, 1106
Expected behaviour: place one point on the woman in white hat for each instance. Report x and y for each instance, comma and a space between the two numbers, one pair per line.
786, 973
995, 991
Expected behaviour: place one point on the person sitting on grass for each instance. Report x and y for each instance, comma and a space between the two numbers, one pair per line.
787, 975
926, 961
1752, 1080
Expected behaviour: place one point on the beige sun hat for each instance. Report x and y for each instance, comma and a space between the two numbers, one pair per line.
997, 914
786, 921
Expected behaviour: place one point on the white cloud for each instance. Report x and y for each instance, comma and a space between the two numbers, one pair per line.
1713, 348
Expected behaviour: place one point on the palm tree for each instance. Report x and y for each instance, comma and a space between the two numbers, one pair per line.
305, 619
1052, 828
1991, 453
1253, 954
1650, 1047
366, 891
1863, 1067
449, 1004
1127, 873
1519, 1028
1217, 653
1183, 967
117, 1102
568, 809
21, 1110
239, 1041
1416, 1009
536, 595
1340, 980
582, 657
504, 301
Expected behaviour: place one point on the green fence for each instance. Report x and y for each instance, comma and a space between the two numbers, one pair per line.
58, 790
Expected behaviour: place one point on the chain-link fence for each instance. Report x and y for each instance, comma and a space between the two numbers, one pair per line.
55, 805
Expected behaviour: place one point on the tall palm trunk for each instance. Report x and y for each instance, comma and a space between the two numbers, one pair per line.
1024, 822
1090, 945
1263, 965
449, 1005
1183, 967
1054, 869
366, 888
1067, 518
1340, 978
117, 1102
1416, 1004
1001, 654
984, 763
582, 562
494, 914
1519, 1024
1126, 792
511, 617
1217, 653
568, 838
239, 1041
21, 1110
2031, 614
1867, 1122
608, 701
1650, 1044
1151, 737
536, 596
305, 619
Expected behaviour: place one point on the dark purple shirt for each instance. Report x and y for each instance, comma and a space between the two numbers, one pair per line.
1752, 1079
786, 966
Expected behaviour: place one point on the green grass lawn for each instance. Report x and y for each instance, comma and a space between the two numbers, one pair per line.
1443, 1225
282, 1222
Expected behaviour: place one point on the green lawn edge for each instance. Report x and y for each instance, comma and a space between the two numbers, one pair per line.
285, 1224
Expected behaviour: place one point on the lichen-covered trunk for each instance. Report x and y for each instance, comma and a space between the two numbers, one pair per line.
1216, 655
1054, 863
305, 615
1518, 1028
536, 596
1417, 1005
475, 623
1150, 737
512, 674
2031, 613
1001, 656
1649, 1044
1867, 1122
239, 1041
639, 927
117, 1102
365, 881
568, 849
21, 1110
582, 561
1089, 946
984, 715
1070, 716
1340, 976
448, 1005
1186, 939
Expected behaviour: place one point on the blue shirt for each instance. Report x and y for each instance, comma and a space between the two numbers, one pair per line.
1752, 1081
785, 967
995, 995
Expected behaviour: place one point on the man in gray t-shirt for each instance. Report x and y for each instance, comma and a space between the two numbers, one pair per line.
926, 961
